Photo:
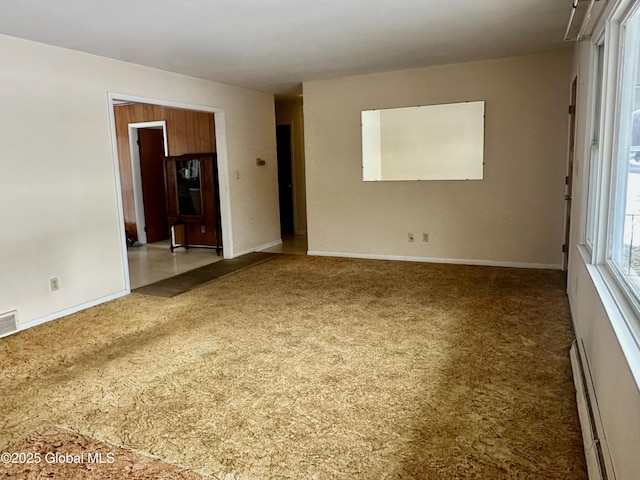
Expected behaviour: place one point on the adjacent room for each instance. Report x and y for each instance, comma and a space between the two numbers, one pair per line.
167, 158
324, 240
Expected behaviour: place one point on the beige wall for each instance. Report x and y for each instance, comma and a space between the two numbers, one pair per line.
289, 111
614, 388
513, 216
59, 208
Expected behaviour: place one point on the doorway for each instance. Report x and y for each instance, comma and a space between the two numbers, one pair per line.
125, 127
285, 178
146, 203
150, 145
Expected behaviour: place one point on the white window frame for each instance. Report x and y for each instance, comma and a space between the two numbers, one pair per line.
603, 191
594, 155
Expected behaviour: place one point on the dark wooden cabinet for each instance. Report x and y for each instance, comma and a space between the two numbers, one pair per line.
193, 201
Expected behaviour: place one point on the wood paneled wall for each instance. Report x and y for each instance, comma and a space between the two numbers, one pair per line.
188, 131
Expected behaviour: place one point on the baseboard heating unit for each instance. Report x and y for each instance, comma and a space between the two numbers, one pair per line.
592, 445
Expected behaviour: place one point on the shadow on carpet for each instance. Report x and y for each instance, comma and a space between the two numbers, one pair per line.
316, 368
71, 456
184, 282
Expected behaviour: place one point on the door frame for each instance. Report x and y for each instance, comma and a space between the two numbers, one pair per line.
136, 171
113, 99
571, 152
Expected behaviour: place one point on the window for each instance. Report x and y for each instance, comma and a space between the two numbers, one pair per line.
613, 200
594, 158
623, 246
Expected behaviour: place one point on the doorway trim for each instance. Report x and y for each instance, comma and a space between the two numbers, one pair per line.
136, 171
113, 99
568, 197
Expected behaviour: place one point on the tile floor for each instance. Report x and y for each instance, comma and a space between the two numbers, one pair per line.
154, 261
291, 245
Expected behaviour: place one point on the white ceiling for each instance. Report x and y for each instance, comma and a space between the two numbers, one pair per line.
274, 45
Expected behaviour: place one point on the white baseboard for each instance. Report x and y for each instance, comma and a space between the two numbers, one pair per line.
258, 248
69, 311
457, 261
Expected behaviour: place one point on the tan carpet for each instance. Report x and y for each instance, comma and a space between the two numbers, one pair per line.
316, 368
70, 456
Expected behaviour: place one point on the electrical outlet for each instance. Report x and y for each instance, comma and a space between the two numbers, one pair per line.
410, 237
425, 237
203, 229
54, 284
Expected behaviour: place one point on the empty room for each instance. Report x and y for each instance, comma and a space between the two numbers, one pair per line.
396, 240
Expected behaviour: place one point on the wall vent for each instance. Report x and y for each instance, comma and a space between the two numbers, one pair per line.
8, 323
